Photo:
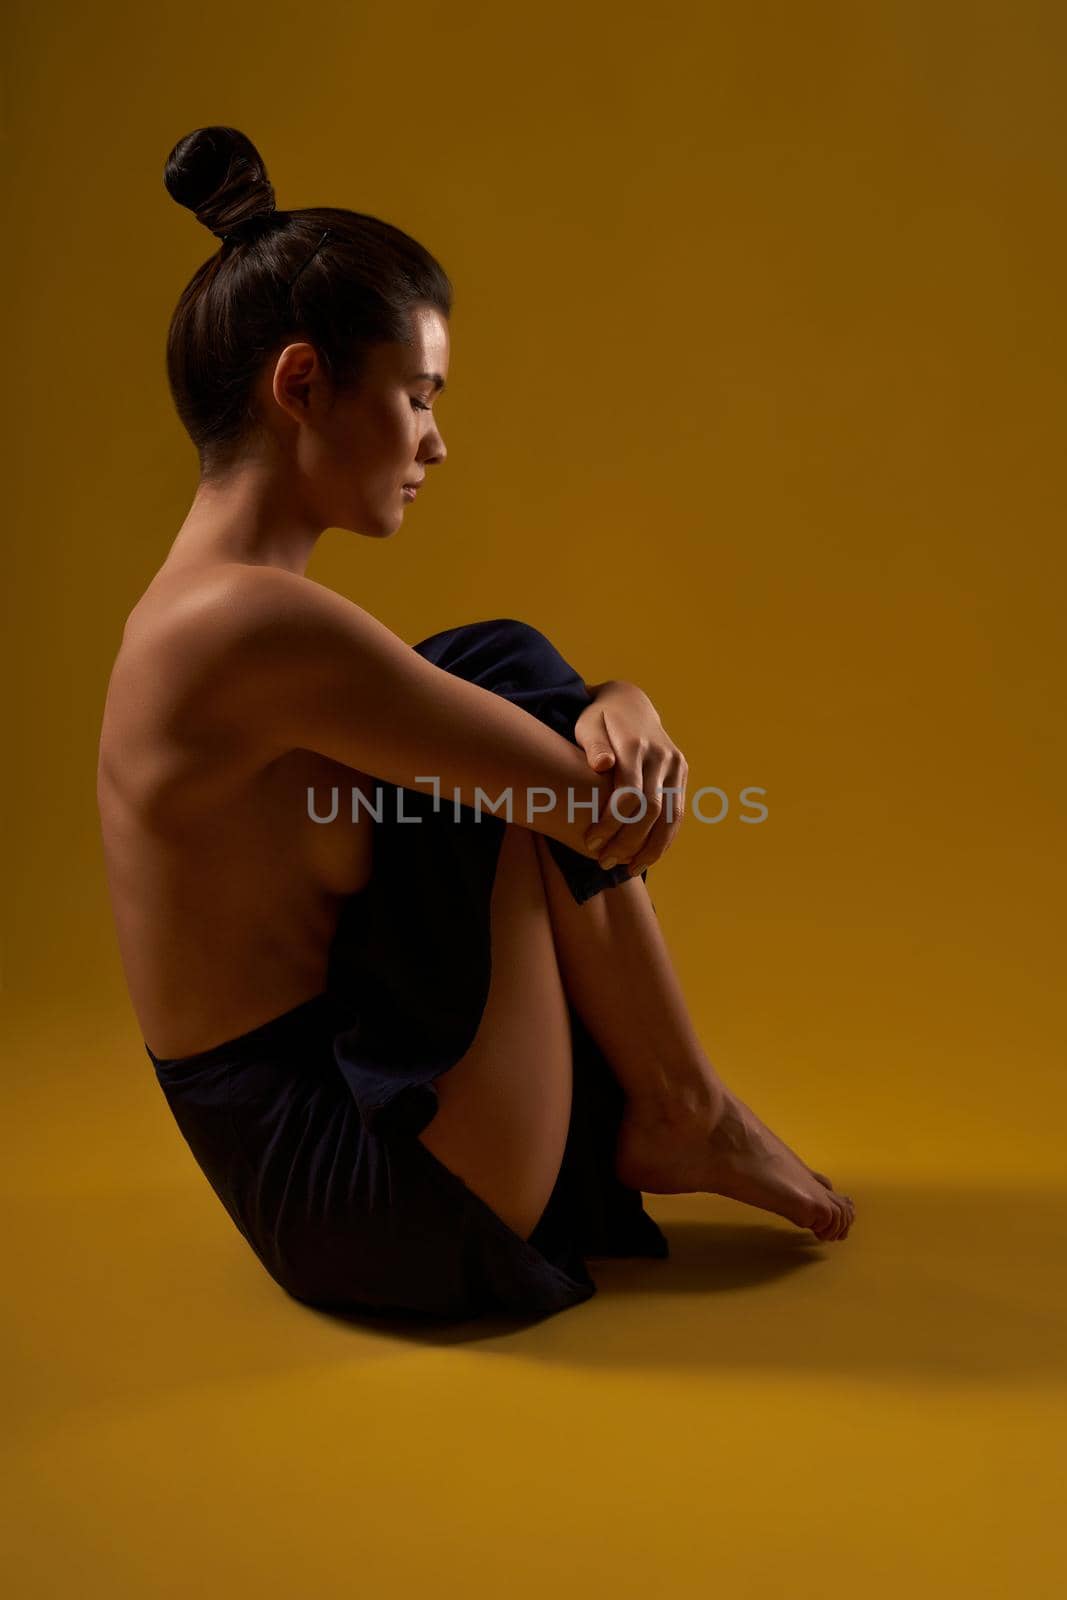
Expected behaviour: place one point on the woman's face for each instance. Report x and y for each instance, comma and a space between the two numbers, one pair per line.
355, 451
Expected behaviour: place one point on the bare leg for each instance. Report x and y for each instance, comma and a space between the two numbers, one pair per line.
504, 1107
683, 1130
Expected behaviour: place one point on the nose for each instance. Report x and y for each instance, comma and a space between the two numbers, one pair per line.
441, 451
435, 456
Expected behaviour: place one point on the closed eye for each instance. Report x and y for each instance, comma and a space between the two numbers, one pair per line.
419, 405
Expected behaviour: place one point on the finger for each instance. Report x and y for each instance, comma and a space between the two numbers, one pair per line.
635, 811
618, 806
648, 834
665, 830
633, 836
596, 742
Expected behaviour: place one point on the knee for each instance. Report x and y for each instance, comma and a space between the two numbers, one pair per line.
499, 631
502, 653
519, 632
526, 655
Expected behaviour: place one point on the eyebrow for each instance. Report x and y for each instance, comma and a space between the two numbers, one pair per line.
434, 377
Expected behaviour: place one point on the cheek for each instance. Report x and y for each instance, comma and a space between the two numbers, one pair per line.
395, 443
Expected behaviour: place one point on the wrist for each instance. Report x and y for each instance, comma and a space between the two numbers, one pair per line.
626, 693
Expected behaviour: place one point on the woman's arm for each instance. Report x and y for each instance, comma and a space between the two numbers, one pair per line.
286, 664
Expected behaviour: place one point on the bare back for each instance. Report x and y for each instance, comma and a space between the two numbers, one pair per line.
236, 688
225, 891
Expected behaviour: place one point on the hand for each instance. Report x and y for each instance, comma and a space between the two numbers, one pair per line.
621, 729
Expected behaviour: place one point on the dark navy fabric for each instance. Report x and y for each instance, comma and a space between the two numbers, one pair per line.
306, 1125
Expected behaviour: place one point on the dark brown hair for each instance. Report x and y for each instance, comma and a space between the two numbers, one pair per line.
275, 278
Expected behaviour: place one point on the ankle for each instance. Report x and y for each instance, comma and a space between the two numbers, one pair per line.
684, 1099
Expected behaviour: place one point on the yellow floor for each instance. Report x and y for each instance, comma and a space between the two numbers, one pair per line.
756, 398
760, 1416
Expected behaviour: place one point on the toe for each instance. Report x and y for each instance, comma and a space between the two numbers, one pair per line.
839, 1226
823, 1219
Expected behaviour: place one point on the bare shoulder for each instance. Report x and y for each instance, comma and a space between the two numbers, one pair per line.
239, 600
249, 652
188, 626
207, 658
215, 605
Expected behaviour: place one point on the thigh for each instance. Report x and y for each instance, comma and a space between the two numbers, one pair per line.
504, 1107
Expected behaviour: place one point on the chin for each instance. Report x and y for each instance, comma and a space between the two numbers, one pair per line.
374, 530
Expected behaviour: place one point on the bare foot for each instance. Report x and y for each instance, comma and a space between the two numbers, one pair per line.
821, 1176
738, 1157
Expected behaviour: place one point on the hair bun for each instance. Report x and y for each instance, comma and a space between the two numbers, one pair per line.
218, 173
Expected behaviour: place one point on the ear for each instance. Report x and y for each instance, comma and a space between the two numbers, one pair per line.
298, 374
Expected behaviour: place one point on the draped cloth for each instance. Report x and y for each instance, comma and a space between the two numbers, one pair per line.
307, 1126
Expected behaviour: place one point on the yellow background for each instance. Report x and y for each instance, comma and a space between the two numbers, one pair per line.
757, 399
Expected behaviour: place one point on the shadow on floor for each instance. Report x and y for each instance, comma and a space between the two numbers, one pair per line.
124, 1294
936, 1284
